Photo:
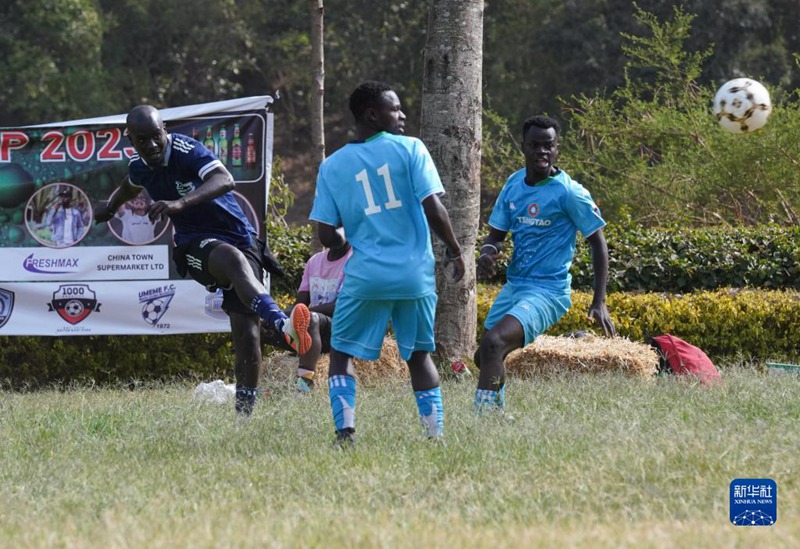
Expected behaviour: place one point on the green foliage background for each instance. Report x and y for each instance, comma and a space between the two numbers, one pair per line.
692, 210
651, 150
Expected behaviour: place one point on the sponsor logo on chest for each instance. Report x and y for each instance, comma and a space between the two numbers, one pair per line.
184, 188
532, 217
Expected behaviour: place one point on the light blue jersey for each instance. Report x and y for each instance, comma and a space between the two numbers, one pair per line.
375, 189
544, 220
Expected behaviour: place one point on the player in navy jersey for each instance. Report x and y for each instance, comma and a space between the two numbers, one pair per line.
384, 190
214, 242
544, 209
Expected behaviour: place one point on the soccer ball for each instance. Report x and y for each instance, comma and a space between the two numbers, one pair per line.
742, 105
73, 308
153, 311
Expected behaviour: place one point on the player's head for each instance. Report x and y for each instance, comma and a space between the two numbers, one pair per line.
147, 134
65, 196
540, 145
376, 108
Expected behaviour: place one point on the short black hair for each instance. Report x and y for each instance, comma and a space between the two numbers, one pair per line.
367, 95
540, 121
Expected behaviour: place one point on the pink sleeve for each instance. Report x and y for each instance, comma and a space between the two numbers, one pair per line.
304, 282
311, 267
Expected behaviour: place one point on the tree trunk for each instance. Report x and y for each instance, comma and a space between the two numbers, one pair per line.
318, 92
451, 129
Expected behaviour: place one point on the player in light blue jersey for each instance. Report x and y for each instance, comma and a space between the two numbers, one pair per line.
544, 209
384, 190
214, 242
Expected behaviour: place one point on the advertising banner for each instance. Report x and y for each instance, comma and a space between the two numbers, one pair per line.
61, 274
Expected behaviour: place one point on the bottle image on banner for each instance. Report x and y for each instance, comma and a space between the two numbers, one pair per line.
195, 134
209, 141
223, 145
236, 147
250, 156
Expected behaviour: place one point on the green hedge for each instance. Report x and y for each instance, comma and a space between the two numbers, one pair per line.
753, 324
679, 260
33, 362
674, 260
292, 247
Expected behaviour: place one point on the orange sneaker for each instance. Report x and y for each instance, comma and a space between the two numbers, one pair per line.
295, 329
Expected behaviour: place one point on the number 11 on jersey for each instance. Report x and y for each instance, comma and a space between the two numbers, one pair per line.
373, 208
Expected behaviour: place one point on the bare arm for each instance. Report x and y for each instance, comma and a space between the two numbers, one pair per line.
106, 210
598, 310
439, 221
490, 252
329, 236
324, 308
217, 182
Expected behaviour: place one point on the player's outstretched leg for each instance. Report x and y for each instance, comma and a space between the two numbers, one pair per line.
342, 393
245, 331
295, 329
495, 345
427, 393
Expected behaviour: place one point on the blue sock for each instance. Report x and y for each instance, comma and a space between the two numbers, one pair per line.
486, 399
245, 399
342, 392
431, 411
500, 397
267, 309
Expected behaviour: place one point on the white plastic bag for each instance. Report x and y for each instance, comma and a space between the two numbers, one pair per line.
216, 392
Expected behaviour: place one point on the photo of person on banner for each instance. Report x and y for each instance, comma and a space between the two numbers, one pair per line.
132, 225
58, 215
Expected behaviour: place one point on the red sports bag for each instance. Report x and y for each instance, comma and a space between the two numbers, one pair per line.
684, 359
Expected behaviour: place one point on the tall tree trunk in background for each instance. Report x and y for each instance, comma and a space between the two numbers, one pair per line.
318, 91
451, 129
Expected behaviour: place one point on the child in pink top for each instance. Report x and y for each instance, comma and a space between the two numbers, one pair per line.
322, 280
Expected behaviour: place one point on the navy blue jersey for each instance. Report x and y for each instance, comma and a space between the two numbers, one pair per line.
185, 165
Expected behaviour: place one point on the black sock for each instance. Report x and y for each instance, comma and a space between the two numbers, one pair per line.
245, 399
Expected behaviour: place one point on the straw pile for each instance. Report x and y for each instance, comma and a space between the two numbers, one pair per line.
282, 367
549, 355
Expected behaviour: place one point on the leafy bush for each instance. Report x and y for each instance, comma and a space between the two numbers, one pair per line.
292, 247
684, 259
759, 324
655, 147
38, 361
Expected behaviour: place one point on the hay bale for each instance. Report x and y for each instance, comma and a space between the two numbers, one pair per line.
549, 355
282, 367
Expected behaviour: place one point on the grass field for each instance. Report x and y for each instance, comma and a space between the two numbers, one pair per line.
589, 461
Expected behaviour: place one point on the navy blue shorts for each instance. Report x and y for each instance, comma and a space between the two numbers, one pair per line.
192, 259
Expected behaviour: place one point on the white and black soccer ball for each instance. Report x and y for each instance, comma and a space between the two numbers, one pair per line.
153, 311
73, 308
742, 105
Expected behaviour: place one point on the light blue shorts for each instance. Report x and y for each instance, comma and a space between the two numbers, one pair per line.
359, 325
536, 308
